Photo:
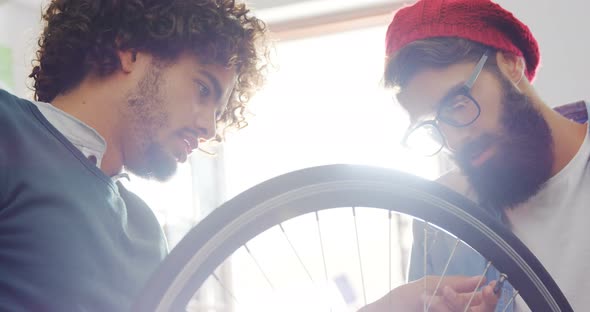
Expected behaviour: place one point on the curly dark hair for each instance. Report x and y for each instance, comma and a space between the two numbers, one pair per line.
82, 37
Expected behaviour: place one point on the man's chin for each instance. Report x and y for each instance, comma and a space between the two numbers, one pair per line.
158, 173
157, 165
504, 187
162, 175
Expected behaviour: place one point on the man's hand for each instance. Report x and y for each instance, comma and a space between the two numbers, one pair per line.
453, 294
483, 301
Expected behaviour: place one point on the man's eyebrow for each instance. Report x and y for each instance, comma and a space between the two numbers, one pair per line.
452, 92
214, 81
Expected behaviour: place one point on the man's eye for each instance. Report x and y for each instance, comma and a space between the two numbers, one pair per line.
457, 103
204, 90
457, 106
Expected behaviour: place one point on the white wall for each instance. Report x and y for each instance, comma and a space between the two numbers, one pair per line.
19, 29
561, 28
563, 31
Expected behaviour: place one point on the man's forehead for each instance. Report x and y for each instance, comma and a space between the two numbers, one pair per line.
428, 87
202, 61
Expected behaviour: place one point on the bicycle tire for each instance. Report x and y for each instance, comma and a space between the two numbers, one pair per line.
293, 194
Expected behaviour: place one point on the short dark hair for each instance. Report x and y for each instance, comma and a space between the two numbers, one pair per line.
438, 52
82, 37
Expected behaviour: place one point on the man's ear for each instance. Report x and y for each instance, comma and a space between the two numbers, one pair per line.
128, 60
512, 66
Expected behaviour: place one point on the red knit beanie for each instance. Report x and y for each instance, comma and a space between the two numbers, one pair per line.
481, 21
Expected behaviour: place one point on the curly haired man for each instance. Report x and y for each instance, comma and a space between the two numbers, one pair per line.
119, 85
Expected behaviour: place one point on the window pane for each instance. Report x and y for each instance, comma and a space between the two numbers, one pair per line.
324, 104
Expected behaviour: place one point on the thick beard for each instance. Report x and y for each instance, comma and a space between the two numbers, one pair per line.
524, 158
161, 164
146, 117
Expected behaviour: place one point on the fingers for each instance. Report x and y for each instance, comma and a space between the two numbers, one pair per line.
456, 295
459, 284
489, 298
451, 301
458, 301
436, 303
480, 301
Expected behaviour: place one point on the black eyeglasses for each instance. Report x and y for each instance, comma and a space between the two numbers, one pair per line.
458, 109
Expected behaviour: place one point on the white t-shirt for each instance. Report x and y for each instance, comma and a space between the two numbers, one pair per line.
554, 224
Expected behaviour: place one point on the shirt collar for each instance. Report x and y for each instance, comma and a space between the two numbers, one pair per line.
82, 136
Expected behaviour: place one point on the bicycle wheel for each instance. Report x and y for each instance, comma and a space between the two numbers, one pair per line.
310, 190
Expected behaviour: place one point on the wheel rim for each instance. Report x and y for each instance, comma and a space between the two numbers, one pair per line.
332, 186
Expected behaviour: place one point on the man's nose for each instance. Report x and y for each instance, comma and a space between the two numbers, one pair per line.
206, 125
455, 137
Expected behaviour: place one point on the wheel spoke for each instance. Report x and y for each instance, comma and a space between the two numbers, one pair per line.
443, 273
358, 249
226, 289
295, 252
389, 253
259, 267
511, 300
477, 286
424, 261
317, 218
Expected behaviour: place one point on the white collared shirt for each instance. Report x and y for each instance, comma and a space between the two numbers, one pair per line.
82, 136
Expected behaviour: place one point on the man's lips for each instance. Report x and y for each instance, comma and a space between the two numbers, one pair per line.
477, 151
187, 147
480, 158
191, 142
183, 145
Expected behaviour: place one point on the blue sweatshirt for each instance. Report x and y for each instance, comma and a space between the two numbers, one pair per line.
70, 238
